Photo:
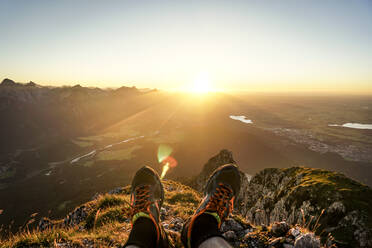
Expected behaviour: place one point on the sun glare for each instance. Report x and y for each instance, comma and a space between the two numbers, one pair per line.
201, 85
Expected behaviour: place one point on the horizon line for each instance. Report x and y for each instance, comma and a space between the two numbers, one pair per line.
253, 90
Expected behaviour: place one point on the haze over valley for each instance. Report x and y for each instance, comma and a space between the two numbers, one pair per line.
61, 145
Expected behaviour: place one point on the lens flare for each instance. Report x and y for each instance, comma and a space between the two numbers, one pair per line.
164, 158
169, 162
165, 170
163, 152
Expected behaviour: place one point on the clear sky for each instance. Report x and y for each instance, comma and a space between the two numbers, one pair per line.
236, 45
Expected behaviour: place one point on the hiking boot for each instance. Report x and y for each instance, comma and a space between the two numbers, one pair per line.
219, 194
146, 199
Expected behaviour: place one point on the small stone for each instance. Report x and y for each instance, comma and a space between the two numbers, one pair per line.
230, 235
231, 224
116, 191
95, 196
307, 240
336, 207
295, 232
279, 228
243, 233
45, 223
177, 224
163, 213
273, 242
77, 216
289, 240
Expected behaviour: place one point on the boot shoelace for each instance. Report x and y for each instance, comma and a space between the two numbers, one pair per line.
221, 200
142, 201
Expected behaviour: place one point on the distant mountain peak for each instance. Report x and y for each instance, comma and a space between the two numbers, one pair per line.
126, 90
31, 84
8, 82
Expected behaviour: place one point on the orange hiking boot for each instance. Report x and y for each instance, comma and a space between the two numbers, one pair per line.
218, 202
147, 196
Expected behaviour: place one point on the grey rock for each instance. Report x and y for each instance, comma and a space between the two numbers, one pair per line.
45, 223
116, 191
274, 241
176, 224
76, 216
279, 228
222, 158
295, 232
163, 213
95, 196
277, 194
230, 236
231, 224
242, 233
289, 239
308, 240
336, 207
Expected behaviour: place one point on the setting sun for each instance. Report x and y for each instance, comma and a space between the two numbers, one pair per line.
201, 85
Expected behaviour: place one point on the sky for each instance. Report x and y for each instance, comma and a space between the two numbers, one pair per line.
229, 45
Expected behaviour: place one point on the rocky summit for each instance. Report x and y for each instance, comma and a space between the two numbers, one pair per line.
328, 203
294, 207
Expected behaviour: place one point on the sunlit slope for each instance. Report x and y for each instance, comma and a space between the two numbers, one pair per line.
195, 127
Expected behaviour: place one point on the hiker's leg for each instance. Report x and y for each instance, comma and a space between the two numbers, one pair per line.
147, 196
202, 229
143, 234
205, 228
215, 242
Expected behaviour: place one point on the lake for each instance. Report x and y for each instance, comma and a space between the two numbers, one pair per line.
353, 125
241, 118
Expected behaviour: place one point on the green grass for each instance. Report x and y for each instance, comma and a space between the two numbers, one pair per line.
105, 201
63, 205
118, 154
123, 133
187, 197
82, 143
111, 234
112, 215
107, 209
8, 174
88, 163
91, 138
169, 138
39, 239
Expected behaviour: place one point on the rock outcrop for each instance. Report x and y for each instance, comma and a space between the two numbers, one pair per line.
326, 202
222, 158
321, 200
